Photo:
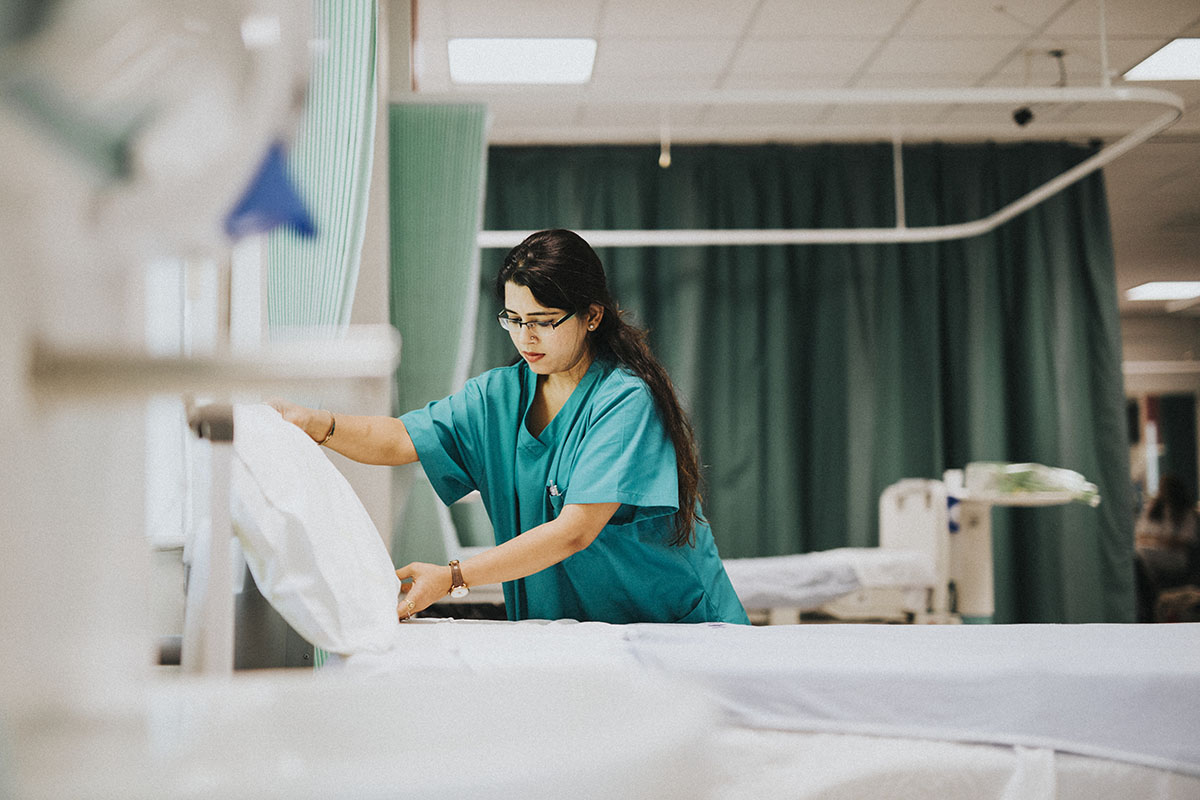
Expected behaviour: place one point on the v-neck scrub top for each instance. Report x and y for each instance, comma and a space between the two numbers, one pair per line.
606, 445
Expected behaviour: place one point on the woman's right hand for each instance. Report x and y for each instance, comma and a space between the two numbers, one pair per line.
313, 422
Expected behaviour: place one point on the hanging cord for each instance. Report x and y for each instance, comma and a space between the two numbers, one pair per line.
664, 151
1062, 66
1105, 78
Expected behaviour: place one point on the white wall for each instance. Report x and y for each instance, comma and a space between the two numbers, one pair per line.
1161, 354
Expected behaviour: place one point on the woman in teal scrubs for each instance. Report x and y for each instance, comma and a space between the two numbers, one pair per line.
585, 460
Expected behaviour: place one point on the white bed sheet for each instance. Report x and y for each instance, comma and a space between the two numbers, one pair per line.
757, 764
808, 581
1123, 692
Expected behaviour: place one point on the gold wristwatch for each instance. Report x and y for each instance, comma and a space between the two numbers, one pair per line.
458, 587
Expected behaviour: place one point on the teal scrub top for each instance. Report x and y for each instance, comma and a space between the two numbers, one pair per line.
606, 445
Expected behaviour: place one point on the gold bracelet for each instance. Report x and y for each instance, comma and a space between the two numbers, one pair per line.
332, 425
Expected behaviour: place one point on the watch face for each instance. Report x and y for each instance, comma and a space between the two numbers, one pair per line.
460, 591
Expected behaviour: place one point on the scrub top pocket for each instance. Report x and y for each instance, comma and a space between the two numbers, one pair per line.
554, 500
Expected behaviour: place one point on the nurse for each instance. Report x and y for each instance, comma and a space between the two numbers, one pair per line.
584, 458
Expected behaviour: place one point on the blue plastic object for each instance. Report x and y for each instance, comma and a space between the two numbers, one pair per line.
270, 201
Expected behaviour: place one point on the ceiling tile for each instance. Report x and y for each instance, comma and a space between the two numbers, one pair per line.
943, 18
969, 59
1165, 18
665, 46
522, 18
783, 80
631, 83
838, 58
863, 18
651, 57
691, 19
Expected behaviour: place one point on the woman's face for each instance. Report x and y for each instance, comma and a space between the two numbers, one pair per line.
549, 350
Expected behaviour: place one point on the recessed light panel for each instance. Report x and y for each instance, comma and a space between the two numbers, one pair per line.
492, 61
1178, 60
1164, 290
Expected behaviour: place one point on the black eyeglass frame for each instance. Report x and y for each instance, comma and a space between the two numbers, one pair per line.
506, 320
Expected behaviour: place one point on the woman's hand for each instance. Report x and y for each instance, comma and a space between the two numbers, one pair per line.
313, 422
426, 584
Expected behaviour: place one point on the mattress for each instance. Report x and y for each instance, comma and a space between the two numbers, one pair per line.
808, 581
1125, 693
755, 764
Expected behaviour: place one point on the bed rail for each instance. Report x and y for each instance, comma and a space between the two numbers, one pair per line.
207, 644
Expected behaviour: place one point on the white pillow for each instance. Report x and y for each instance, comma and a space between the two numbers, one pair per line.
311, 546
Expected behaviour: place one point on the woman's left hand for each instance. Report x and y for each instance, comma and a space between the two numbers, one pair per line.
426, 584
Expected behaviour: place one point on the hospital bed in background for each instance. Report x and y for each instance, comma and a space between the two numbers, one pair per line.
934, 560
903, 580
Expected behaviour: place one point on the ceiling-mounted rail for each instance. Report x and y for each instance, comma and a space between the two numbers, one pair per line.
885, 97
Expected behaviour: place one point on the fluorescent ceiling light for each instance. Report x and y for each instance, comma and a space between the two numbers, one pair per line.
1177, 60
521, 60
1165, 290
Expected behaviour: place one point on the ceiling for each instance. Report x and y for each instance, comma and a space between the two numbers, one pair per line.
704, 58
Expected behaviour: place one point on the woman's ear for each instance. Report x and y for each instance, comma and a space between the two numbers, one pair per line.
594, 315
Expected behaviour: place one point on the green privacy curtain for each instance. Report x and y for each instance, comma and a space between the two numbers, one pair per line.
310, 282
437, 158
818, 375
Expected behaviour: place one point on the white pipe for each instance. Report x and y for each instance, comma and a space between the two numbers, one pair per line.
1002, 96
366, 353
898, 234
898, 180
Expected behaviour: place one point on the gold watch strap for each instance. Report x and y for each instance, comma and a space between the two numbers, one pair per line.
456, 578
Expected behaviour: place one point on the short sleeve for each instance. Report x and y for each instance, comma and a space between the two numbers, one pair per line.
446, 435
626, 455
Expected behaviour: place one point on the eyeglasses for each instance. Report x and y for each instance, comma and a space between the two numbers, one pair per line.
514, 325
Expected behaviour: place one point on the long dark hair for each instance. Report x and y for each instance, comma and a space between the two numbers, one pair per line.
561, 270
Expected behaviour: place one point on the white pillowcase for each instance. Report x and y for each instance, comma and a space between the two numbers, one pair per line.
311, 546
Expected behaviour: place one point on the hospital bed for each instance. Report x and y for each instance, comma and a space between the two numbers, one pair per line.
934, 560
905, 579
837, 710
806, 711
